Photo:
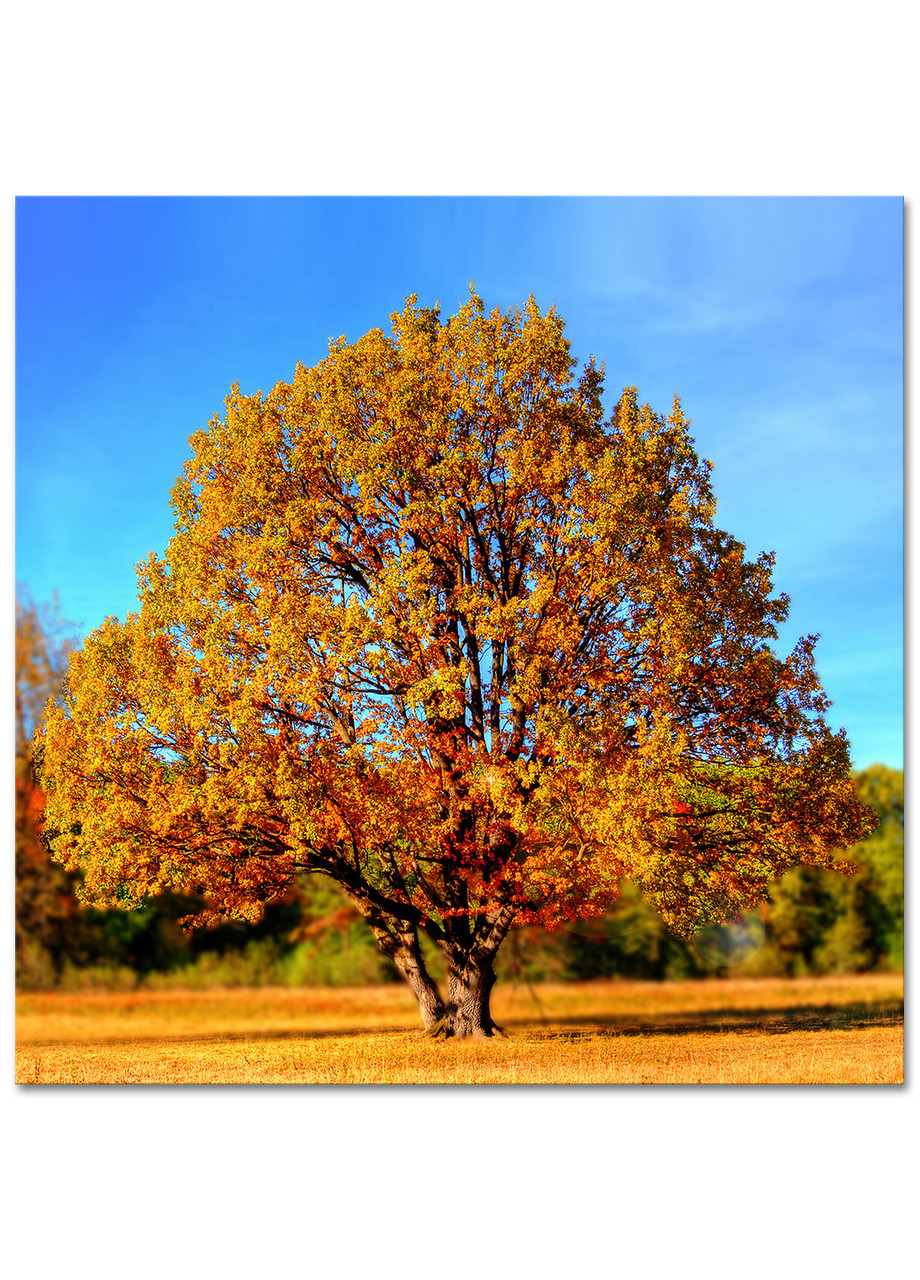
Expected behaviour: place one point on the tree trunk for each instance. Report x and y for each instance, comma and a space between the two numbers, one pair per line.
430, 1004
465, 1014
403, 949
470, 973
470, 979
469, 988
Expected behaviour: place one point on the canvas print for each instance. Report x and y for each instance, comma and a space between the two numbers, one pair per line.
458, 641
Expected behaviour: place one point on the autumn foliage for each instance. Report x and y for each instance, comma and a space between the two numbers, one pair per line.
431, 626
46, 913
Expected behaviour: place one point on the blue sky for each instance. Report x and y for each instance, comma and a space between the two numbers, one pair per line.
778, 321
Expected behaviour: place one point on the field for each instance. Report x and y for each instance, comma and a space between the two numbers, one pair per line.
830, 1030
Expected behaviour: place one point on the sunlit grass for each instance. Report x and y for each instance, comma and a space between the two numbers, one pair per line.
844, 1030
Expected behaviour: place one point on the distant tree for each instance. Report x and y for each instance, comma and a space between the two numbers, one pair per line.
44, 641
868, 928
430, 627
46, 909
818, 922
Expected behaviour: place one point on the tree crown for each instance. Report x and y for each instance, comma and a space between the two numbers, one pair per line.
430, 625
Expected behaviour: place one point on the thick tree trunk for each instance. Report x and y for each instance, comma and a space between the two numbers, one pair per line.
467, 1014
403, 949
430, 1004
470, 979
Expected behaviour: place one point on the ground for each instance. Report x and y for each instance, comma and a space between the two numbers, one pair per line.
831, 1030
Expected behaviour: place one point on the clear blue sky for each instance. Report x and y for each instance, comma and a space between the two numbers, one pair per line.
778, 322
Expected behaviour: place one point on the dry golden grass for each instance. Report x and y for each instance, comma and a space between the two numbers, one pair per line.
841, 1030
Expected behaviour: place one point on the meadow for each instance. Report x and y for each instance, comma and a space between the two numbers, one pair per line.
822, 1030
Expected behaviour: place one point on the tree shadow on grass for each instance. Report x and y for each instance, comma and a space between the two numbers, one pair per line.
765, 1021
223, 1037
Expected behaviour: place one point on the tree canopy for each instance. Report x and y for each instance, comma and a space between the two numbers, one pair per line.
433, 627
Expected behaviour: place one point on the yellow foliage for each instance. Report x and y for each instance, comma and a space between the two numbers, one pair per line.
431, 626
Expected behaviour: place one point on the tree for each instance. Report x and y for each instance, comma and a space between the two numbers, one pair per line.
867, 922
53, 934
432, 628
46, 919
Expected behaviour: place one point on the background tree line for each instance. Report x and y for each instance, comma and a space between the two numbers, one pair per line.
815, 921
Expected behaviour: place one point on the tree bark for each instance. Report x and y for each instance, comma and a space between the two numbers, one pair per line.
470, 979
467, 1014
430, 1004
470, 956
403, 949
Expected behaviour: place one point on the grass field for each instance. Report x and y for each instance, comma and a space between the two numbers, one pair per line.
831, 1030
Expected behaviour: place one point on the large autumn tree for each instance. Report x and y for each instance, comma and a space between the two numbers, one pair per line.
432, 627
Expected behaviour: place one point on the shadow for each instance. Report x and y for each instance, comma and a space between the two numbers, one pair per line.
767, 1021
225, 1037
